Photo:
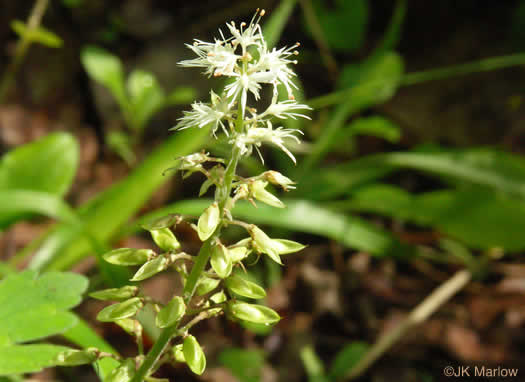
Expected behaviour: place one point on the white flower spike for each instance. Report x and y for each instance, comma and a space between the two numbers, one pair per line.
247, 60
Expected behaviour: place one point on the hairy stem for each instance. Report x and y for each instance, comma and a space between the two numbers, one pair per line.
33, 22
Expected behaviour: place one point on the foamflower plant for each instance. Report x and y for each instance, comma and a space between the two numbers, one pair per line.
213, 279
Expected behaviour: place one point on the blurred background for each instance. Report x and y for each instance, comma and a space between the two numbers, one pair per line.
412, 169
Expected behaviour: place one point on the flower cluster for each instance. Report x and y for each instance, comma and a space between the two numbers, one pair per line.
247, 60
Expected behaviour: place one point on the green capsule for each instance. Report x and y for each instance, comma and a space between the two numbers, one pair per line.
129, 256
220, 261
244, 288
259, 192
151, 268
74, 357
284, 247
206, 284
165, 239
171, 313
121, 310
194, 355
264, 244
115, 294
178, 353
208, 221
258, 314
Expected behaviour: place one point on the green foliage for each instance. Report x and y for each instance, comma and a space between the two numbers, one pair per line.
32, 308
40, 34
344, 24
245, 364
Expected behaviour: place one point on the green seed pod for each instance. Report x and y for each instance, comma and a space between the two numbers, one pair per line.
264, 244
74, 357
237, 254
206, 284
171, 313
163, 222
123, 373
194, 355
258, 314
244, 288
258, 191
115, 294
208, 221
220, 261
130, 326
178, 353
129, 256
151, 268
121, 310
279, 179
217, 298
284, 246
165, 239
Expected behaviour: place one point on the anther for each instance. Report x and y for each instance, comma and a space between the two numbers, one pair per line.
263, 12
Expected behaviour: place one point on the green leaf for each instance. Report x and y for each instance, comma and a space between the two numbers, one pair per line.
115, 294
106, 69
347, 358
33, 308
120, 143
375, 126
19, 359
313, 364
151, 268
48, 164
377, 83
17, 204
104, 215
220, 261
129, 256
246, 365
276, 22
147, 97
181, 96
344, 25
244, 288
39, 34
258, 314
194, 355
121, 310
171, 313
208, 221
165, 239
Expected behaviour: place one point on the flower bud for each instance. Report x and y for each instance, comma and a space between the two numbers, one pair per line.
208, 221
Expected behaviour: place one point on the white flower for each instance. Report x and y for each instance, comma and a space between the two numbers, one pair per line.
251, 35
285, 109
204, 114
242, 85
256, 136
218, 58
